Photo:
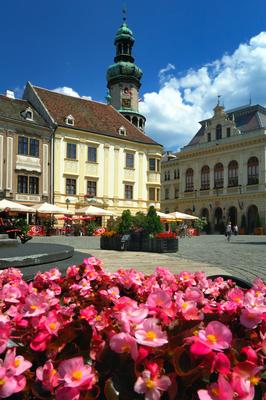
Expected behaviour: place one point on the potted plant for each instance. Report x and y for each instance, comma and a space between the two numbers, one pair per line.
92, 334
199, 225
258, 230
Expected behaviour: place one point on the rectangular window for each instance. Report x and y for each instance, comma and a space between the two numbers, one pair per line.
158, 194
92, 154
166, 194
34, 147
228, 132
71, 151
152, 164
23, 145
128, 192
91, 188
158, 165
22, 184
209, 135
129, 160
70, 186
152, 194
176, 193
33, 185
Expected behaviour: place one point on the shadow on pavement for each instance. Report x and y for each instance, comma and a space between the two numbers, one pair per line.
76, 259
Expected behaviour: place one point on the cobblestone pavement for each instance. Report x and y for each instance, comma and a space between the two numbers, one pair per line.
244, 256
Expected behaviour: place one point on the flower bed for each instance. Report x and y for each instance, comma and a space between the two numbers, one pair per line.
127, 335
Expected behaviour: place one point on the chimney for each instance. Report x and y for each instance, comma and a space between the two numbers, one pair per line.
10, 94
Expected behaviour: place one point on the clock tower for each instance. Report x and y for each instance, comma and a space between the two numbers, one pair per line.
123, 78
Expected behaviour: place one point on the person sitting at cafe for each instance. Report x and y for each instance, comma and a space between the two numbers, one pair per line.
7, 226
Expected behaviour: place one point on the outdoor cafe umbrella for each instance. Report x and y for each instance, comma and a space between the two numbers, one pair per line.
13, 206
47, 208
165, 217
94, 211
182, 216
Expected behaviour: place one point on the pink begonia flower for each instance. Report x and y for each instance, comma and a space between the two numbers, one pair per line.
35, 305
67, 393
151, 386
8, 384
10, 294
187, 277
39, 343
15, 365
193, 294
159, 298
124, 343
250, 354
221, 390
244, 378
73, 272
250, 318
88, 313
216, 337
52, 323
190, 311
48, 376
236, 295
76, 374
4, 335
150, 334
221, 363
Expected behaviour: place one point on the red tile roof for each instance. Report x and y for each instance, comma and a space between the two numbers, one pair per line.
90, 116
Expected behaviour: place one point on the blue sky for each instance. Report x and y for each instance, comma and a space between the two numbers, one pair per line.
189, 52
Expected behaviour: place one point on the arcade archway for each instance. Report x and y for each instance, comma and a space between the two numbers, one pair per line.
253, 215
232, 215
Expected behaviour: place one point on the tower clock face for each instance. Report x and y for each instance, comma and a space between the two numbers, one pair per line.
126, 103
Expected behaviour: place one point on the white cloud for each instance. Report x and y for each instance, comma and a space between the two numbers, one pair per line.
70, 92
174, 111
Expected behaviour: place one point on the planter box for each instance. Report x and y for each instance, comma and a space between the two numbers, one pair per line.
242, 231
140, 243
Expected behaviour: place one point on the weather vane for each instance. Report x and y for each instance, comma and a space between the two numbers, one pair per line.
124, 11
219, 96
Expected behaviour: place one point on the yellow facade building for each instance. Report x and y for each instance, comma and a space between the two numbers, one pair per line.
221, 174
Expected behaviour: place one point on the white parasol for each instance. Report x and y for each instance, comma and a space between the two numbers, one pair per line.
13, 206
95, 211
182, 216
47, 208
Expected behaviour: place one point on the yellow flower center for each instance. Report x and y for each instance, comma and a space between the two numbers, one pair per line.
33, 307
151, 335
212, 339
17, 362
53, 372
149, 384
126, 348
184, 306
52, 325
98, 318
2, 382
185, 277
237, 299
77, 375
215, 391
254, 380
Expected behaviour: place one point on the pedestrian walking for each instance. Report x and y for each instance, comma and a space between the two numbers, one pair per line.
235, 230
228, 231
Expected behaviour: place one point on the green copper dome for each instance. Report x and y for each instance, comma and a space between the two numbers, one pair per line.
124, 33
125, 69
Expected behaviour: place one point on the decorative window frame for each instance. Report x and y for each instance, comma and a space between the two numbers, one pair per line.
122, 131
70, 120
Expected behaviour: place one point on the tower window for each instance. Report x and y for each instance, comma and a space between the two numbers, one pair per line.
209, 136
228, 132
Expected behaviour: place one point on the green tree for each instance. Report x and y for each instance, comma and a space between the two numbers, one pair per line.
126, 223
153, 224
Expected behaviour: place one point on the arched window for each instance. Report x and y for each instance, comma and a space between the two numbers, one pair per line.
218, 175
189, 180
135, 121
205, 177
233, 173
253, 171
219, 132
